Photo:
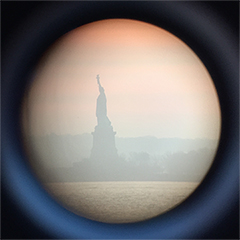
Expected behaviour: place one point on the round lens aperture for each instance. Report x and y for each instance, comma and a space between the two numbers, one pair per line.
121, 122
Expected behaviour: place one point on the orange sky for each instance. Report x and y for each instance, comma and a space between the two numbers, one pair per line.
154, 83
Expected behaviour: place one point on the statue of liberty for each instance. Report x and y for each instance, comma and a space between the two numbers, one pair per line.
104, 149
101, 111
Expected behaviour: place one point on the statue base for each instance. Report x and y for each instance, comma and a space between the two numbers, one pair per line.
104, 148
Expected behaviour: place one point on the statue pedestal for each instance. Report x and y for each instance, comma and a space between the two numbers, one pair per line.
104, 148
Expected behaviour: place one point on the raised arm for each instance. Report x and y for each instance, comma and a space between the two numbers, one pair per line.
98, 81
101, 89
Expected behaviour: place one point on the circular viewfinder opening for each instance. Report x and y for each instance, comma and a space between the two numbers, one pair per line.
121, 121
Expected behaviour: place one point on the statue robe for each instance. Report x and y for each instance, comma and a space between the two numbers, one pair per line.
101, 111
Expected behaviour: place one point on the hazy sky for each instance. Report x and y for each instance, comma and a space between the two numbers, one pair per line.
154, 83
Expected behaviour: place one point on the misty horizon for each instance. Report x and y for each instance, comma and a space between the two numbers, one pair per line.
78, 147
119, 136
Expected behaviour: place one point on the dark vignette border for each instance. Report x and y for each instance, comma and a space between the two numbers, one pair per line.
212, 211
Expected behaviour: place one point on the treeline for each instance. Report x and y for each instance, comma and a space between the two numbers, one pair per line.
138, 166
63, 150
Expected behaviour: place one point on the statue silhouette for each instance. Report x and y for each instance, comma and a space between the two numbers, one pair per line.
101, 111
104, 150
